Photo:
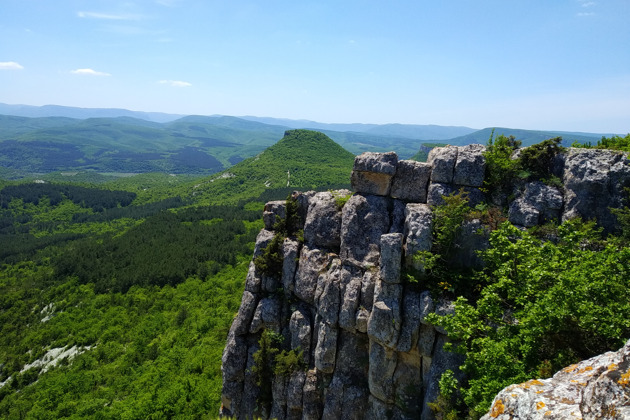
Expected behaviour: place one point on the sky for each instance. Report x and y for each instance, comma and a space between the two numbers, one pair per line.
530, 64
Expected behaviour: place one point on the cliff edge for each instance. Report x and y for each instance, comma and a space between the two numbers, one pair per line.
348, 334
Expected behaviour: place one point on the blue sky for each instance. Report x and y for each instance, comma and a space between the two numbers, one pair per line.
534, 64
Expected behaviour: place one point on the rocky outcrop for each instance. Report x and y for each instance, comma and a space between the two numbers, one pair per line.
339, 298
597, 388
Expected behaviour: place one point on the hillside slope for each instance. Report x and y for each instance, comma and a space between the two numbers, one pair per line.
302, 159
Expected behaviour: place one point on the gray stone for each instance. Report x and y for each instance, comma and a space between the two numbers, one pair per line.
442, 161
398, 217
350, 301
391, 256
411, 321
418, 233
279, 395
379, 410
326, 348
373, 172
328, 293
273, 211
312, 263
597, 388
383, 163
240, 325
426, 306
234, 358
231, 395
470, 166
441, 362
323, 222
386, 317
537, 204
472, 238
266, 316
363, 316
368, 284
381, 371
594, 181
437, 191
408, 384
444, 307
290, 252
250, 389
300, 328
411, 181
364, 220
426, 340
313, 401
294, 391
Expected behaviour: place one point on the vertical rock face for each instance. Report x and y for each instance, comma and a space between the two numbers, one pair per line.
367, 350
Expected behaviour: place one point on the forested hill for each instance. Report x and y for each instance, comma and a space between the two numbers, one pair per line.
302, 159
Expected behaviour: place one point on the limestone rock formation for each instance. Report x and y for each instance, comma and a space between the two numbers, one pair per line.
339, 299
597, 388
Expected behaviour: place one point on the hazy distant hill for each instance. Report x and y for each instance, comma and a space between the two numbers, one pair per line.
528, 137
82, 113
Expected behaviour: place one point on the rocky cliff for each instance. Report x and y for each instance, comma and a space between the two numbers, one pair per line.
337, 299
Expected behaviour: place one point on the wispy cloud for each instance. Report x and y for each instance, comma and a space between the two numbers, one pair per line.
587, 3
109, 16
10, 65
175, 83
90, 72
582, 14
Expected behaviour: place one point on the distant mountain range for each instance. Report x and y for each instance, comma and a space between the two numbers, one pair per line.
56, 138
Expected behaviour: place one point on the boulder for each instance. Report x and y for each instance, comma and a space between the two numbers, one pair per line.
594, 181
382, 366
240, 325
312, 396
364, 219
312, 263
373, 172
328, 293
300, 329
597, 388
326, 348
290, 252
537, 204
418, 232
411, 181
442, 161
267, 315
437, 191
273, 211
386, 317
470, 166
323, 222
390, 259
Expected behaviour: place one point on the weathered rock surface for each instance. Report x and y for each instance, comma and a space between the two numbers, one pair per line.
597, 388
367, 349
373, 172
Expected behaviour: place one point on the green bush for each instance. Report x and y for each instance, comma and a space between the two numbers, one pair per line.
546, 305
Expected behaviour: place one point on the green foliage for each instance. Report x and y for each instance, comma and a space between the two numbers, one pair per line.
340, 199
537, 160
545, 305
612, 143
287, 362
445, 405
302, 159
501, 169
263, 368
270, 261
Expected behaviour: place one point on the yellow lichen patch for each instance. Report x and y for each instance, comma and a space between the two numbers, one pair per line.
548, 413
530, 383
612, 366
566, 400
540, 405
514, 395
586, 369
569, 368
539, 392
625, 379
498, 408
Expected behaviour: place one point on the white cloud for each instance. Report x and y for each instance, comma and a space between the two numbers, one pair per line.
175, 83
90, 72
108, 16
582, 14
10, 65
588, 3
